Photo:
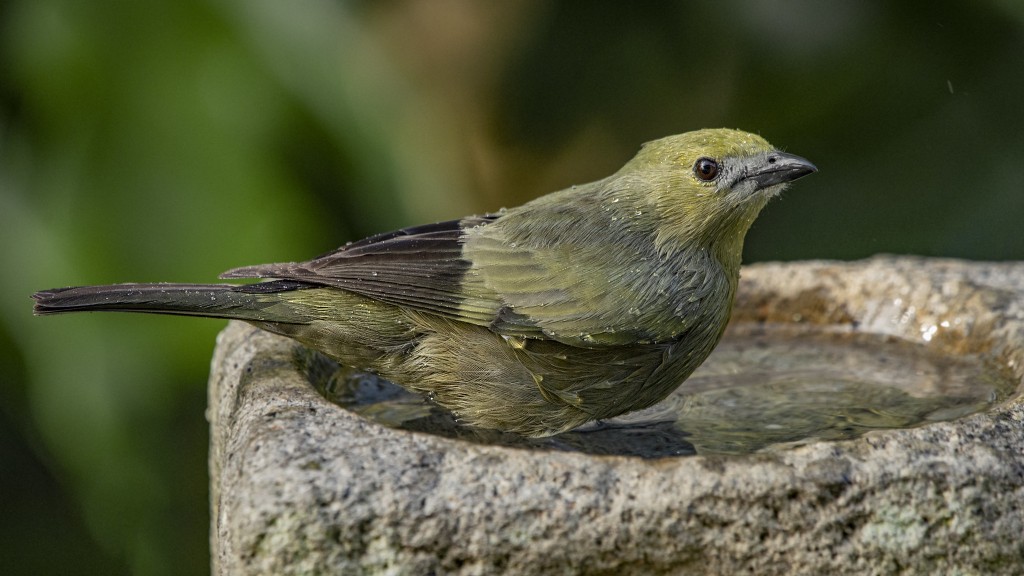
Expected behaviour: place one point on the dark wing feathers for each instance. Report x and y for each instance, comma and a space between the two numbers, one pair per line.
449, 230
421, 267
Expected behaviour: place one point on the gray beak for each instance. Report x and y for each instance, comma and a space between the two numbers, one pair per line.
780, 168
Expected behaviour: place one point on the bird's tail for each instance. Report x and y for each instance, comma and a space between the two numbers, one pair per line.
241, 302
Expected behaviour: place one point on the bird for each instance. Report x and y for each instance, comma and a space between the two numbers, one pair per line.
581, 305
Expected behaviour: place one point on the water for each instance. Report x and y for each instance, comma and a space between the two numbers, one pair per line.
763, 388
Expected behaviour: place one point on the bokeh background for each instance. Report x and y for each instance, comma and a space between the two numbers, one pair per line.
173, 139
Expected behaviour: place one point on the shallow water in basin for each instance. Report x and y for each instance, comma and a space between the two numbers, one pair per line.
762, 388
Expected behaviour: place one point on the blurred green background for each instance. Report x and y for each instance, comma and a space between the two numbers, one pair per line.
174, 139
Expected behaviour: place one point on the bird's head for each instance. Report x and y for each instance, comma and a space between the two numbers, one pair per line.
708, 186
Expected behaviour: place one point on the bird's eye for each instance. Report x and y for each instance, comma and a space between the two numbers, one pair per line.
705, 169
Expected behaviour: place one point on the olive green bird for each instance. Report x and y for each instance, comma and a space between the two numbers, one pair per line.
580, 305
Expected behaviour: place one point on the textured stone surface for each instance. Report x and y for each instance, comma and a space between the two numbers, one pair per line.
301, 486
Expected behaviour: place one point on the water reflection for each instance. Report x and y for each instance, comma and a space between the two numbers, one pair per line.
764, 387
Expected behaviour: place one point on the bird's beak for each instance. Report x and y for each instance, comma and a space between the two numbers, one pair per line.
779, 168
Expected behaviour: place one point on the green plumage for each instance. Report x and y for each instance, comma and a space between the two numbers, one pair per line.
583, 304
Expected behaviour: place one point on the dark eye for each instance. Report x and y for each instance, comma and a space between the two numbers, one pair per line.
705, 169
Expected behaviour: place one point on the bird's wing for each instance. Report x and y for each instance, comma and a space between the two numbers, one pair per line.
421, 268
543, 270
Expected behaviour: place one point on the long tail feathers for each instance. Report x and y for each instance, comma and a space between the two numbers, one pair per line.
246, 302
